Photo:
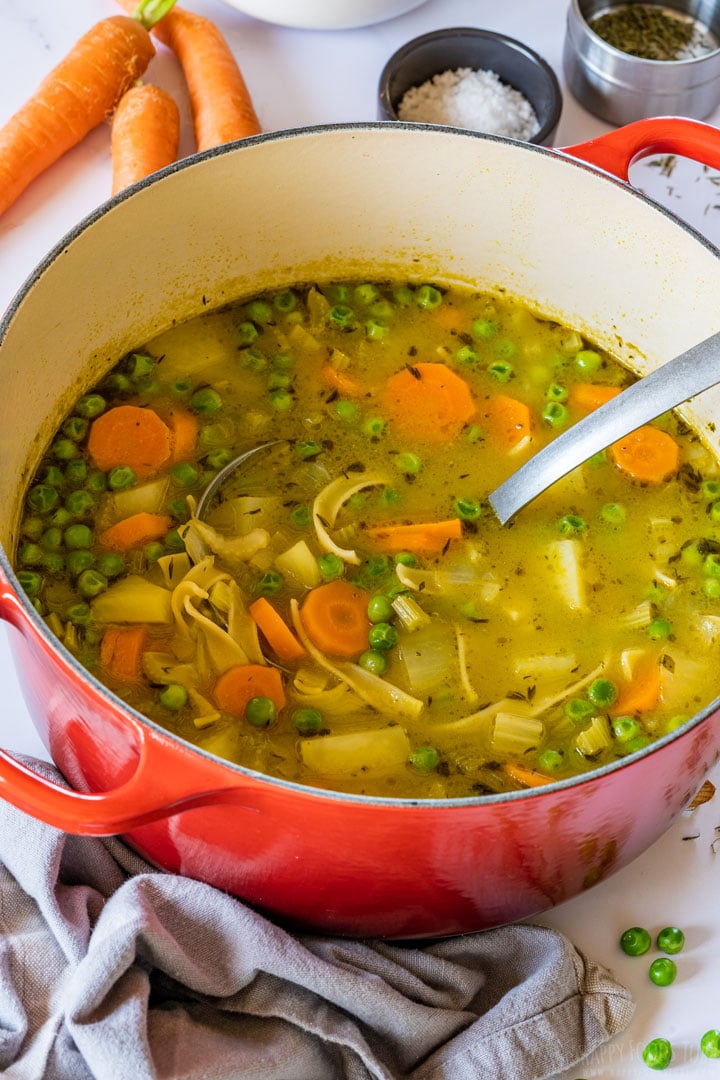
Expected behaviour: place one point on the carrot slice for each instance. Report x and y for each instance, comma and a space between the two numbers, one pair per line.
586, 397
506, 421
134, 531
449, 317
129, 435
275, 630
647, 455
145, 135
336, 620
428, 401
184, 432
236, 686
121, 651
526, 777
422, 538
643, 691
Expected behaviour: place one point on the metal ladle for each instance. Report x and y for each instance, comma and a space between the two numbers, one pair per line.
671, 384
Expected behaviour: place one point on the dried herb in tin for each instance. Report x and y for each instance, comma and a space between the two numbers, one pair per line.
646, 31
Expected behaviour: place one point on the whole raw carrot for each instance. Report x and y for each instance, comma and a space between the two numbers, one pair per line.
221, 104
77, 95
145, 134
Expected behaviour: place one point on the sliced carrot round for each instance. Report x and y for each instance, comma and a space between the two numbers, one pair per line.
428, 401
647, 455
239, 684
336, 620
130, 435
506, 421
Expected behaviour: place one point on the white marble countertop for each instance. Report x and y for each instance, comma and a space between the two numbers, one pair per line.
299, 78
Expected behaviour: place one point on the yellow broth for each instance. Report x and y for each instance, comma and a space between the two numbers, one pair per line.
508, 657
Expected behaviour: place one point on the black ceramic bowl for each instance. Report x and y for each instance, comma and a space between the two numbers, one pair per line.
480, 50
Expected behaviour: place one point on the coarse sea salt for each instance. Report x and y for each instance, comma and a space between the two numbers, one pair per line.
465, 98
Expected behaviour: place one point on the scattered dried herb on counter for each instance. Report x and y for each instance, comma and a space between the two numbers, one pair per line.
651, 32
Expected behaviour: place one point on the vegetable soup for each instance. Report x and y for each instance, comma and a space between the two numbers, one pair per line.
346, 612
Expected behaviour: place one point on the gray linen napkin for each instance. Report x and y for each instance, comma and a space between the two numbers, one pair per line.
112, 969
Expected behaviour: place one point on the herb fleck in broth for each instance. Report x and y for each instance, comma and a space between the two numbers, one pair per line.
349, 614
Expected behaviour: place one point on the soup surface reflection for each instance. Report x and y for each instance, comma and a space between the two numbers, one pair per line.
348, 613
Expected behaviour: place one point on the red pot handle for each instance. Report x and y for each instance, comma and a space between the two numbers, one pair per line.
156, 790
617, 150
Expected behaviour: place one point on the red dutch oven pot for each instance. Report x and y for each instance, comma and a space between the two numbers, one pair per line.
560, 229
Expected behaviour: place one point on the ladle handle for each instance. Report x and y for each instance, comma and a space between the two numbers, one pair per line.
669, 385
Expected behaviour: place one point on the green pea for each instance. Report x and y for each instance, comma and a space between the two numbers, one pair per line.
588, 361
468, 509
402, 295
424, 758
307, 721
408, 463
64, 449
602, 693
77, 562
659, 629
90, 584
382, 310
338, 293
247, 332
184, 474
206, 400
365, 294
374, 426
282, 400
714, 511
116, 383
342, 316
76, 473
710, 489
613, 513
54, 562
174, 696
42, 497
466, 356
259, 311
670, 940
638, 743
555, 392
121, 477
96, 482
382, 636
218, 459
91, 405
555, 414
347, 410
308, 449
111, 565
579, 710
178, 508
484, 329
626, 728
711, 588
181, 387
78, 537
283, 362
174, 543
78, 614
30, 554
285, 301
657, 1054
571, 525
711, 565
501, 371
54, 476
33, 527
260, 711
253, 359
270, 583
390, 497
75, 428
663, 971
710, 1043
373, 661
331, 566
377, 565
405, 558
636, 941
428, 297
139, 366
301, 517
379, 609
153, 551
30, 581
280, 380
551, 760
52, 539
375, 330
80, 504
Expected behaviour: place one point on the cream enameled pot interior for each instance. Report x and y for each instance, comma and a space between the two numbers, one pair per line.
376, 201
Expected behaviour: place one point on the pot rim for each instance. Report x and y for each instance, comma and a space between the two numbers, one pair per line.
103, 692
